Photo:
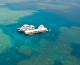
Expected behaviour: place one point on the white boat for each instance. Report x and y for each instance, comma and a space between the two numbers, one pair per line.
30, 29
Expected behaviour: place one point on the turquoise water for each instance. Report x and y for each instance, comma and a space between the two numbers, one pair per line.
59, 47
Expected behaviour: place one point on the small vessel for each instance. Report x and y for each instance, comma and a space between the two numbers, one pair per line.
30, 29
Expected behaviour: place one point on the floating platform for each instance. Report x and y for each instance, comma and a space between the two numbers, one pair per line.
30, 29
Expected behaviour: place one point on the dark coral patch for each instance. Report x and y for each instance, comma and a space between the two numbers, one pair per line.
76, 50
56, 62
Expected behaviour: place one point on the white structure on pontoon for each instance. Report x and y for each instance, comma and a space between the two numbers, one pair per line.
30, 29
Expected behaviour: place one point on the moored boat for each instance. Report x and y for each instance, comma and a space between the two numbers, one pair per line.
30, 29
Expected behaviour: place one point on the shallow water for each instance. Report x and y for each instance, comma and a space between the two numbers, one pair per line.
58, 47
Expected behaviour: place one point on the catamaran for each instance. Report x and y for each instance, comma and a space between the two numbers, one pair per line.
30, 29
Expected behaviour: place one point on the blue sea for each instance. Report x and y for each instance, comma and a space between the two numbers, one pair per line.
60, 46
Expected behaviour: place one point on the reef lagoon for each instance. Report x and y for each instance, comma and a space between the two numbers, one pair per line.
60, 46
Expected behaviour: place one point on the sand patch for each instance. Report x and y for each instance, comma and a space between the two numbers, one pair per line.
5, 42
8, 16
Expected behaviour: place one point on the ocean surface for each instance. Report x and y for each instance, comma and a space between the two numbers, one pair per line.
60, 46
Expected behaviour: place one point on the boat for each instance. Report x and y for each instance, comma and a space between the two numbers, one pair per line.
30, 29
